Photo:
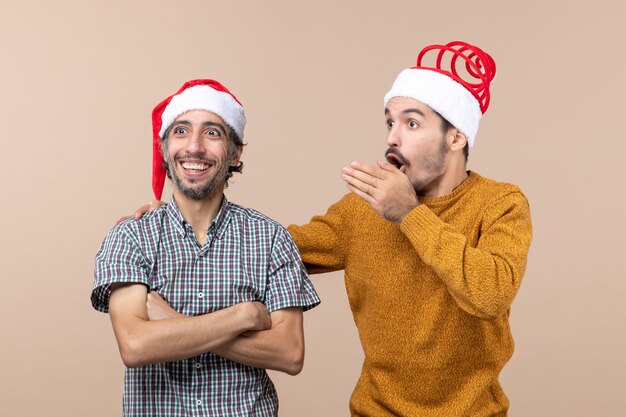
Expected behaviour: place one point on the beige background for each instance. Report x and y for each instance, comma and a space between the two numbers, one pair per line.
78, 82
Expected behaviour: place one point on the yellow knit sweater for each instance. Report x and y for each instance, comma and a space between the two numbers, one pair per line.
430, 297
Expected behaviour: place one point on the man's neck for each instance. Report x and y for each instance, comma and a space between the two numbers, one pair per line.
199, 213
454, 176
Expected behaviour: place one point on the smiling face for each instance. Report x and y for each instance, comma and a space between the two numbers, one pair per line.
418, 143
198, 153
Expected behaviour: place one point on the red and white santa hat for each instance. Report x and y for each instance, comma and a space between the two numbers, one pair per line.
456, 86
207, 95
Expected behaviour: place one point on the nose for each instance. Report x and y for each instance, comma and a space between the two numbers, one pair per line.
196, 143
393, 137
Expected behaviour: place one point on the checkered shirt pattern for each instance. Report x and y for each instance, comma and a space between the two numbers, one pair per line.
247, 257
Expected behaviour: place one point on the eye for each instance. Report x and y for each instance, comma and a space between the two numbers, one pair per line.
213, 132
413, 124
180, 130
390, 124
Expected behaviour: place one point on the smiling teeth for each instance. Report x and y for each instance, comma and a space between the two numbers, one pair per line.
194, 167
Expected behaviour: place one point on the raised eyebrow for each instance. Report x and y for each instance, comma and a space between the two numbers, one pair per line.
418, 111
181, 122
214, 124
407, 111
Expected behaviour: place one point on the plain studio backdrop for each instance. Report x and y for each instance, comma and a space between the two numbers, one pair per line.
79, 80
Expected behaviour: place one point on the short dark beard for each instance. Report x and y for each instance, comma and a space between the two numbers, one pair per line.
208, 188
435, 164
197, 193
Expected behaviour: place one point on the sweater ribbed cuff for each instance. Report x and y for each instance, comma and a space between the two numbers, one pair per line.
421, 226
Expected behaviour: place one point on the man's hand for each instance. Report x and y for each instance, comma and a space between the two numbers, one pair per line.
138, 214
159, 309
255, 314
384, 187
280, 348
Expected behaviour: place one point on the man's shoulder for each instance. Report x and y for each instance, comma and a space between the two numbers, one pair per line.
252, 217
496, 189
148, 224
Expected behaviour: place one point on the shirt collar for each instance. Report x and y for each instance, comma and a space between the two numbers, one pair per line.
218, 224
223, 217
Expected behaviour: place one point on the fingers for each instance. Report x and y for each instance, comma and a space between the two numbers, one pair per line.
362, 176
121, 219
155, 204
158, 309
358, 181
255, 315
360, 188
138, 214
387, 166
154, 296
141, 211
366, 170
364, 195
265, 319
363, 180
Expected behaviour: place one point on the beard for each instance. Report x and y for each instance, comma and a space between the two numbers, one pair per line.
198, 190
431, 164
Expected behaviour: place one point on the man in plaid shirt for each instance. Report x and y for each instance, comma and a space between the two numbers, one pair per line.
203, 294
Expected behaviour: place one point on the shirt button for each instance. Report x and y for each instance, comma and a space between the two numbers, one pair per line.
200, 294
198, 402
198, 365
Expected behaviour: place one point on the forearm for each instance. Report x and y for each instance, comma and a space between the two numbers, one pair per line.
147, 342
143, 341
482, 283
484, 279
280, 348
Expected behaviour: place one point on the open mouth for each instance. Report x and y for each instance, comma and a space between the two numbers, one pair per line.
194, 167
396, 160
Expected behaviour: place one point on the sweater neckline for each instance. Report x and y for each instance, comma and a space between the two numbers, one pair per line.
471, 179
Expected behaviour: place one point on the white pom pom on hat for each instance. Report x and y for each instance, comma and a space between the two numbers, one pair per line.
441, 87
203, 94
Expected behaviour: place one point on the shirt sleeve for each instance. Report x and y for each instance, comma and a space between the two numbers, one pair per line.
484, 279
288, 282
119, 259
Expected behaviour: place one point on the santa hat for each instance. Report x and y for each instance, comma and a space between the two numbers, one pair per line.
207, 95
460, 95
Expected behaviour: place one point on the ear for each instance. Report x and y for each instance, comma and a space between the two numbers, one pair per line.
236, 156
456, 140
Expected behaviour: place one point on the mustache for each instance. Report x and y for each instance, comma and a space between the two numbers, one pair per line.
398, 155
198, 156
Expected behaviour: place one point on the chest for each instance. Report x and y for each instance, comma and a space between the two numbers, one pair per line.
197, 280
383, 265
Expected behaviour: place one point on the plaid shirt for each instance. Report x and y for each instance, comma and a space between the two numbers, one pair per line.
247, 257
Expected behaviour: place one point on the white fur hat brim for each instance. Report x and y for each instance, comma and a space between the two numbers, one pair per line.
203, 97
441, 93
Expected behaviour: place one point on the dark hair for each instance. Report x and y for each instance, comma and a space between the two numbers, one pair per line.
445, 126
235, 141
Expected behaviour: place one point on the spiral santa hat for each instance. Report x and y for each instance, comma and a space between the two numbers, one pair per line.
203, 94
456, 86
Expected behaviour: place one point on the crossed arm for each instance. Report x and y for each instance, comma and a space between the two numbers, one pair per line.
149, 331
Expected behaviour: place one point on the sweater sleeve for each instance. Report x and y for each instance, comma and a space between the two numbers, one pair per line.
484, 279
321, 241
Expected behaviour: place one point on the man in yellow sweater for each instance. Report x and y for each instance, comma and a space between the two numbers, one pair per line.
433, 254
